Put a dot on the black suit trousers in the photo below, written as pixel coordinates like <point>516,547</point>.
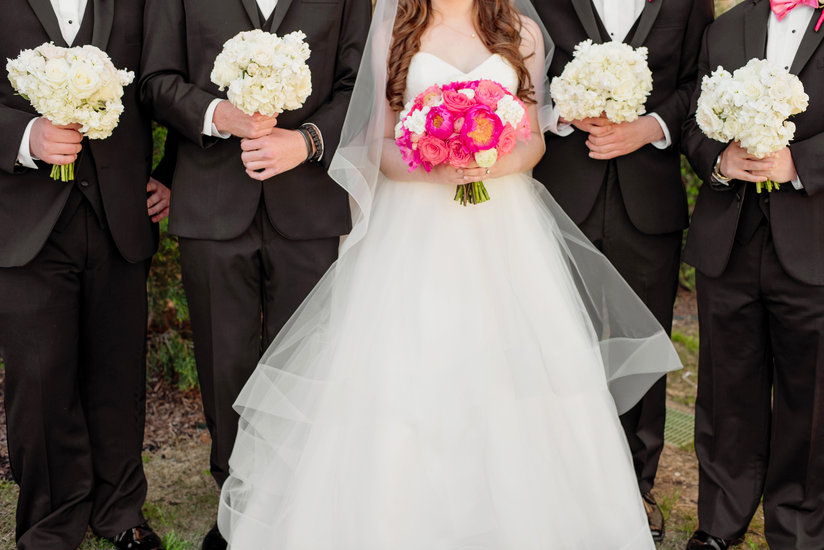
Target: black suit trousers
<point>72,334</point>
<point>649,263</point>
<point>760,410</point>
<point>241,292</point>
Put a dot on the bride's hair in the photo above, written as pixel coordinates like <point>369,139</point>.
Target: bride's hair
<point>499,28</point>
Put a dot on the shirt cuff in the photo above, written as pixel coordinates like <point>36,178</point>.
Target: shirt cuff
<point>797,184</point>
<point>24,156</point>
<point>209,128</point>
<point>561,130</point>
<point>667,141</point>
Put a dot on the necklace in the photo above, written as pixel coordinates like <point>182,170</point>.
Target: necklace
<point>453,29</point>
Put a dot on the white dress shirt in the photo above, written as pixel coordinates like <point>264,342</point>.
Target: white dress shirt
<point>618,16</point>
<point>69,16</point>
<point>209,128</point>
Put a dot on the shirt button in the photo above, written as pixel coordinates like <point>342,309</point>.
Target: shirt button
<point>70,22</point>
<point>793,31</point>
<point>84,183</point>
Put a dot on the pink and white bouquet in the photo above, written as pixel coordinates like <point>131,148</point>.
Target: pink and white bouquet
<point>611,78</point>
<point>77,85</point>
<point>265,73</point>
<point>751,106</point>
<point>461,124</point>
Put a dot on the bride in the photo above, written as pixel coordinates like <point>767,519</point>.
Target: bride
<point>454,381</point>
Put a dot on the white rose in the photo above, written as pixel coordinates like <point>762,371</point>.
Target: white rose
<point>56,72</point>
<point>486,159</point>
<point>83,80</point>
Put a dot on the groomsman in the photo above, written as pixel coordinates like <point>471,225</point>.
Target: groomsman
<point>759,260</point>
<point>258,217</point>
<point>73,263</point>
<point>621,183</point>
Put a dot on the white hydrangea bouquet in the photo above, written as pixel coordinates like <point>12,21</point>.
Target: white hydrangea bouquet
<point>611,78</point>
<point>751,106</point>
<point>264,73</point>
<point>77,85</point>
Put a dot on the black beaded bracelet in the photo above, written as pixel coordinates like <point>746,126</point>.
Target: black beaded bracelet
<point>310,152</point>
<point>312,130</point>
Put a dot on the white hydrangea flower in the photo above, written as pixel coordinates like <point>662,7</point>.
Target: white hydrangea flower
<point>611,78</point>
<point>509,110</point>
<point>264,73</point>
<point>751,106</point>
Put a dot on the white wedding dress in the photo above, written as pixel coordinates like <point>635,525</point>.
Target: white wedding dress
<point>445,392</point>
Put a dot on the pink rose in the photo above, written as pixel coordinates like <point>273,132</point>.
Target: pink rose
<point>507,141</point>
<point>458,124</point>
<point>457,102</point>
<point>429,97</point>
<point>459,156</point>
<point>489,93</point>
<point>433,150</point>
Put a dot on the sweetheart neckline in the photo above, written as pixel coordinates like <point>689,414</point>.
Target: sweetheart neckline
<point>465,73</point>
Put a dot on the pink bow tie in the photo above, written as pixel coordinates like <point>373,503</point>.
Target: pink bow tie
<point>782,8</point>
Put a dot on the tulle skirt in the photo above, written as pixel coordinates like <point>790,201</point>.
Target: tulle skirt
<point>443,388</point>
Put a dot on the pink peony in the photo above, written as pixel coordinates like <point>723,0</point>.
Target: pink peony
<point>432,150</point>
<point>439,122</point>
<point>481,129</point>
<point>429,97</point>
<point>459,156</point>
<point>507,141</point>
<point>489,93</point>
<point>457,102</point>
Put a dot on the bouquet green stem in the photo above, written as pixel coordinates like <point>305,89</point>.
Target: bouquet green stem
<point>471,193</point>
<point>769,185</point>
<point>63,172</point>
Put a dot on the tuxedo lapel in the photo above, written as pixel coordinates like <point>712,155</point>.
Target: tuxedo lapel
<point>646,21</point>
<point>251,8</point>
<point>808,45</point>
<point>756,22</point>
<point>103,21</point>
<point>44,12</point>
<point>587,16</point>
<point>280,12</point>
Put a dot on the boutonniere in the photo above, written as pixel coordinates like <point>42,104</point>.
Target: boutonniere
<point>820,19</point>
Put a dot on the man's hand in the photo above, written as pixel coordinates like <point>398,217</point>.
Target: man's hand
<point>608,141</point>
<point>158,201</point>
<point>783,169</point>
<point>274,154</point>
<point>57,145</point>
<point>738,164</point>
<point>588,124</point>
<point>230,120</point>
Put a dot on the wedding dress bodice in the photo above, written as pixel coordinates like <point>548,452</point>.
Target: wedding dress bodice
<point>426,69</point>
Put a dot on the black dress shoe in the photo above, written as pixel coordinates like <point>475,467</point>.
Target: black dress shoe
<point>704,541</point>
<point>654,517</point>
<point>141,537</point>
<point>213,540</point>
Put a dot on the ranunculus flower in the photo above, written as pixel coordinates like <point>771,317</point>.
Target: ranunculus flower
<point>459,156</point>
<point>432,150</point>
<point>488,93</point>
<point>486,159</point>
<point>507,141</point>
<point>481,129</point>
<point>457,102</point>
<point>439,122</point>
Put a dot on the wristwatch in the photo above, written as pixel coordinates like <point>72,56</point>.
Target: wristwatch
<point>717,175</point>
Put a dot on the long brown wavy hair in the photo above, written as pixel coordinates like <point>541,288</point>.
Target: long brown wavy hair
<point>499,28</point>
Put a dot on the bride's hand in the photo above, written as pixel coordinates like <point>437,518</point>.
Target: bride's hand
<point>446,174</point>
<point>474,172</point>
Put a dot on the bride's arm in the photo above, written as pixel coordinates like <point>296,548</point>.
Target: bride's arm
<point>394,167</point>
<point>526,154</point>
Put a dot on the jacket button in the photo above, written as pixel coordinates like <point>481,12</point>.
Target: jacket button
<point>84,183</point>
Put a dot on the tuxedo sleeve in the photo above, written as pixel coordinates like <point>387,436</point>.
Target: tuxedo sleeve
<point>165,169</point>
<point>701,151</point>
<point>809,163</point>
<point>14,123</point>
<point>674,110</point>
<point>164,85</point>
<point>329,117</point>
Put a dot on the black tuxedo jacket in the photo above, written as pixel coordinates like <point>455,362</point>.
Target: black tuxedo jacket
<point>30,201</point>
<point>212,196</point>
<point>650,178</point>
<point>796,217</point>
